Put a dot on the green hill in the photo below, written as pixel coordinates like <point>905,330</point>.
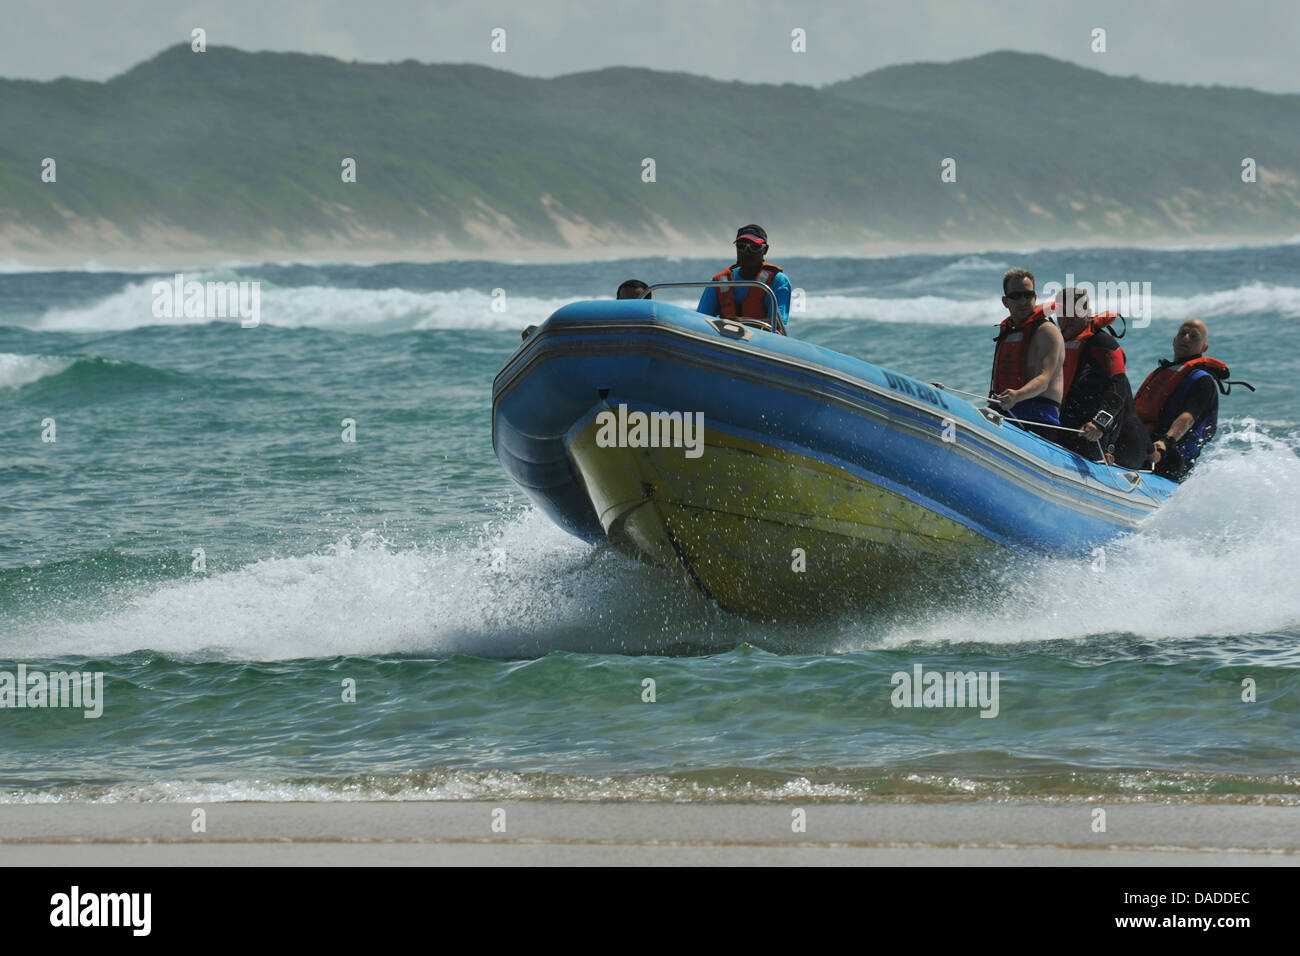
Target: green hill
<point>242,151</point>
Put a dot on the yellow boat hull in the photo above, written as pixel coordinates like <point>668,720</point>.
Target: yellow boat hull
<point>765,532</point>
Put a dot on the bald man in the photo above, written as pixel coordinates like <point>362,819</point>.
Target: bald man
<point>1179,402</point>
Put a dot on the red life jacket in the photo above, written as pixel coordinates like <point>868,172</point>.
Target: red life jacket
<point>1162,383</point>
<point>755,304</point>
<point>1012,350</point>
<point>1075,348</point>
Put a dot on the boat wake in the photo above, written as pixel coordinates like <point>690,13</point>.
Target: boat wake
<point>516,588</point>
<point>1218,560</point>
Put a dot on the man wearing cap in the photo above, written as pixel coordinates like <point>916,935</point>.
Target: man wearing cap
<point>748,302</point>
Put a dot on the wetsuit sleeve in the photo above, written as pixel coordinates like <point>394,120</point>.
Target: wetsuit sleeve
<point>708,302</point>
<point>1106,352</point>
<point>1112,400</point>
<point>781,286</point>
<point>1105,355</point>
<point>1200,397</point>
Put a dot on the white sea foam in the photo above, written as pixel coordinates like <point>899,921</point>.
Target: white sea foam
<point>317,307</point>
<point>1254,298</point>
<point>387,310</point>
<point>913,310</point>
<point>448,784</point>
<point>19,370</point>
<point>957,270</point>
<point>1221,557</point>
<point>521,588</point>
<point>390,310</point>
<point>976,264</point>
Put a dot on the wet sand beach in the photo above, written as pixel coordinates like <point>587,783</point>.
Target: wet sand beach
<point>571,833</point>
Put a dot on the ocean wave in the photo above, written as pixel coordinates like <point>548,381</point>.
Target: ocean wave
<point>447,784</point>
<point>318,307</point>
<point>923,310</point>
<point>396,309</point>
<point>723,785</point>
<point>957,271</point>
<point>82,377</point>
<point>1254,298</point>
<point>19,370</point>
<point>391,310</point>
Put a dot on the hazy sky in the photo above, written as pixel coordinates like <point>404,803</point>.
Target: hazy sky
<point>1235,42</point>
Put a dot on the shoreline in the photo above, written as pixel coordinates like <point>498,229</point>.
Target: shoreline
<point>14,260</point>
<point>563,832</point>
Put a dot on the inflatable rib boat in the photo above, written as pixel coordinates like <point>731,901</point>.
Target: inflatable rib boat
<point>784,480</point>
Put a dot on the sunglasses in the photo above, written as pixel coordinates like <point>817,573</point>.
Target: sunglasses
<point>747,246</point>
<point>1022,294</point>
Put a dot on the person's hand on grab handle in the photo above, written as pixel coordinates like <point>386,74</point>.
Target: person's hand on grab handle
<point>1007,399</point>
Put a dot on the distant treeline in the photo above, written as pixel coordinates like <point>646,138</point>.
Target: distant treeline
<point>247,149</point>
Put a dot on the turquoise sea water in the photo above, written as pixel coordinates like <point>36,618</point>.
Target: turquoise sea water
<point>494,656</point>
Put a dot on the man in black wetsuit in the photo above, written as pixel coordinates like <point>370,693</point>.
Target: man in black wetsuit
<point>1179,401</point>
<point>1098,399</point>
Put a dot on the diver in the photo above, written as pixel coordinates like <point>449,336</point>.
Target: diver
<point>1098,399</point>
<point>746,302</point>
<point>1179,402</point>
<point>1028,358</point>
<point>632,289</point>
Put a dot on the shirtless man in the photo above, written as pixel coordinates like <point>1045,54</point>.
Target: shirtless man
<point>1028,359</point>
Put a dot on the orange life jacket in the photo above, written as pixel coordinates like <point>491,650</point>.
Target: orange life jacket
<point>755,304</point>
<point>1162,383</point>
<point>1012,350</point>
<point>1075,348</point>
